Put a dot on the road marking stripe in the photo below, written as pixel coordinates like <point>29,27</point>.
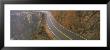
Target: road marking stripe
<point>52,32</point>
<point>63,33</point>
<point>60,31</point>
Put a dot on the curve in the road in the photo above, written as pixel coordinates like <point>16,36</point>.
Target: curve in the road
<point>60,31</point>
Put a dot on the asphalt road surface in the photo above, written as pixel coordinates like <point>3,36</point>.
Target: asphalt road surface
<point>59,31</point>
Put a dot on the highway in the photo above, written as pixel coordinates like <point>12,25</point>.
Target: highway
<point>59,31</point>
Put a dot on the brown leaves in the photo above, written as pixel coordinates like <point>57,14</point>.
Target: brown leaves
<point>86,23</point>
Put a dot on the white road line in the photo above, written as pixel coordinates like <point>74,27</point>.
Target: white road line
<point>60,31</point>
<point>52,32</point>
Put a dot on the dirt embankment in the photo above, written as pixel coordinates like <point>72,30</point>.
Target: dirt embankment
<point>86,23</point>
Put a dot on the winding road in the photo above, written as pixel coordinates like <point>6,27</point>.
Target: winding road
<point>59,31</point>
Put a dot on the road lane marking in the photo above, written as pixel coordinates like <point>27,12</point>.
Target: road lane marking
<point>60,31</point>
<point>52,32</point>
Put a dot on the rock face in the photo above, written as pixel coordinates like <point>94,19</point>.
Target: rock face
<point>86,23</point>
<point>26,25</point>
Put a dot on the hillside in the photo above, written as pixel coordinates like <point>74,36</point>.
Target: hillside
<point>86,23</point>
